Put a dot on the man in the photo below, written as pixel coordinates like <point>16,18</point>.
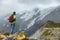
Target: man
<point>12,20</point>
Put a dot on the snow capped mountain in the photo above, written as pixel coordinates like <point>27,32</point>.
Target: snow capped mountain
<point>28,15</point>
<point>54,15</point>
<point>28,21</point>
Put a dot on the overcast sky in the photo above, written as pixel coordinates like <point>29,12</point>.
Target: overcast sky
<point>8,6</point>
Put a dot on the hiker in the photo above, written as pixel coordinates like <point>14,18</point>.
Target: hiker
<point>12,20</point>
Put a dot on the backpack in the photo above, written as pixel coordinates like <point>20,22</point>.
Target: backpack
<point>11,19</point>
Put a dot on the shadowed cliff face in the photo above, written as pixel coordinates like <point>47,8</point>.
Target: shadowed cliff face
<point>30,21</point>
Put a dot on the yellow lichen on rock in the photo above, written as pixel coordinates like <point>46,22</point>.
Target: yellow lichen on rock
<point>20,37</point>
<point>2,36</point>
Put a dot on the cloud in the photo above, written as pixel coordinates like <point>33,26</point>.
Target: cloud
<point>8,6</point>
<point>37,1</point>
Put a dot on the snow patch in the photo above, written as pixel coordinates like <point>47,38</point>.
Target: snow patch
<point>31,24</point>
